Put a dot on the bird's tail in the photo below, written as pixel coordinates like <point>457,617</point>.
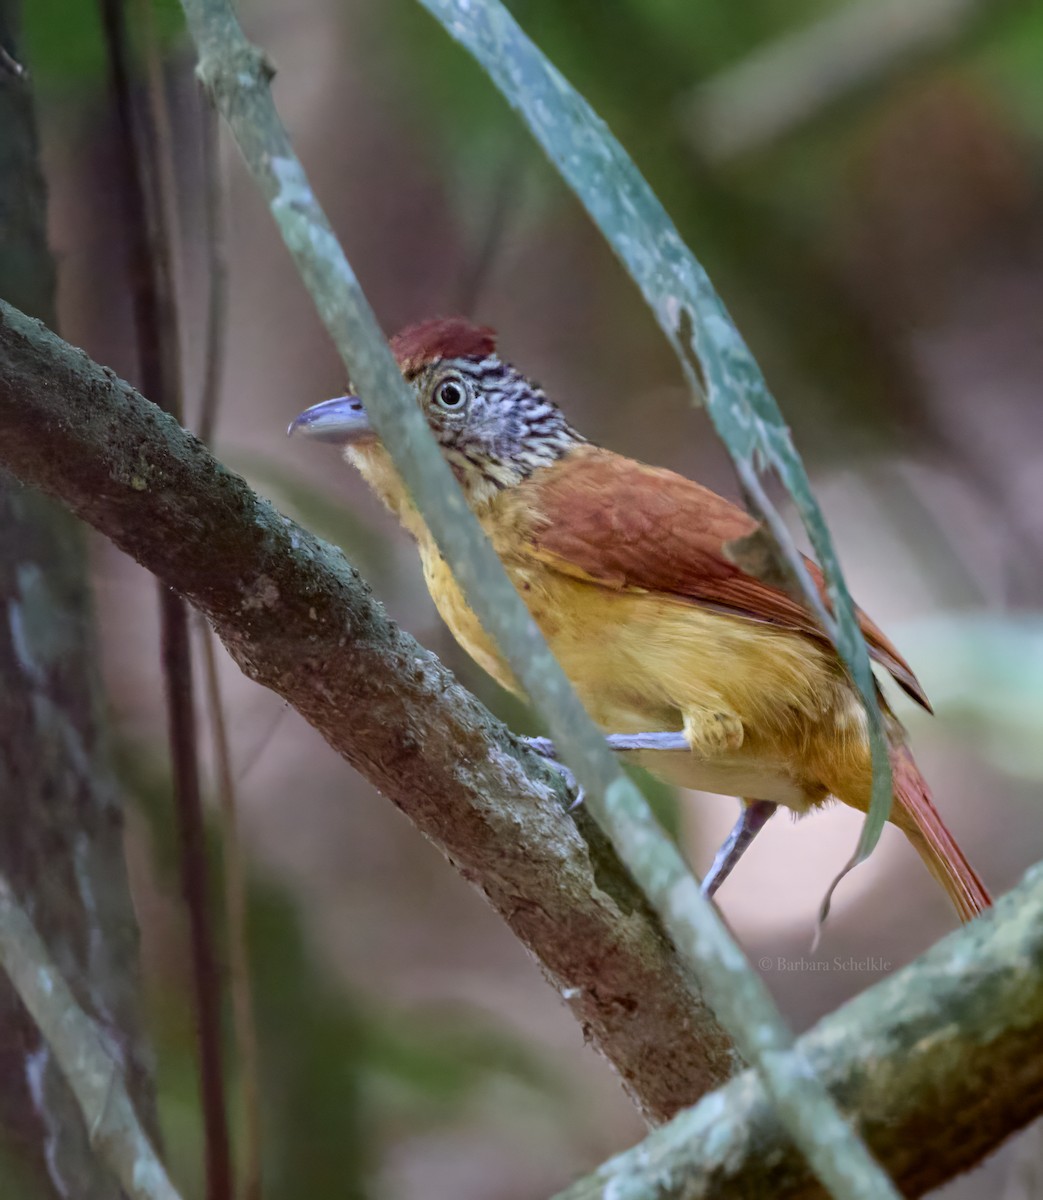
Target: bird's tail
<point>914,813</point>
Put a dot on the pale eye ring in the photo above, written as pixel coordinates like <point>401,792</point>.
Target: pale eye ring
<point>451,395</point>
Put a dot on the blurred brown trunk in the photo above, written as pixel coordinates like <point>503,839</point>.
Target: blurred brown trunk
<point>60,820</point>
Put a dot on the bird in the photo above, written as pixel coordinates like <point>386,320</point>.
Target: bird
<point>704,674</point>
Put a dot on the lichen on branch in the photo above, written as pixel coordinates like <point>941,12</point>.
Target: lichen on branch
<point>936,1065</point>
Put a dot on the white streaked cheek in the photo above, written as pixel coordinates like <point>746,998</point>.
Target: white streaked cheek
<point>504,474</point>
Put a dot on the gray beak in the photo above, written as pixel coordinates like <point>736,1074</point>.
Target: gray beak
<point>342,421</point>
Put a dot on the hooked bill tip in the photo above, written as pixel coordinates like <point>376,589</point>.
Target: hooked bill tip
<point>342,421</point>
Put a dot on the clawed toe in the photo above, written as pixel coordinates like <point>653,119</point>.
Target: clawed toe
<point>546,749</point>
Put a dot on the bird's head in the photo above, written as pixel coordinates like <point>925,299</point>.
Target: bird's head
<point>494,426</point>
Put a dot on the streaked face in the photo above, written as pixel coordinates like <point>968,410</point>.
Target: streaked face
<point>494,426</point>
<point>491,422</point>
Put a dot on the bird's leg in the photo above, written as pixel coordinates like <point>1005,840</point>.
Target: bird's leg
<point>708,730</point>
<point>707,733</point>
<point>752,819</point>
<point>630,743</point>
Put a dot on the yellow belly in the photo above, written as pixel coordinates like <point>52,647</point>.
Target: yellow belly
<point>640,662</point>
<point>741,775</point>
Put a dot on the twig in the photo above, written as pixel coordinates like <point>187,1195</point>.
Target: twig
<point>256,752</point>
<point>915,1060</point>
<point>153,156</point>
<point>177,670</point>
<point>297,618</point>
<point>235,901</point>
<point>238,77</point>
<point>236,915</point>
<point>216,255</point>
<point>154,299</point>
<point>481,259</point>
<point>93,1074</point>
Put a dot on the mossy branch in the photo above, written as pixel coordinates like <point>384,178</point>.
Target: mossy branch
<point>936,1065</point>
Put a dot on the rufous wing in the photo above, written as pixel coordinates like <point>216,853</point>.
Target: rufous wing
<point>619,523</point>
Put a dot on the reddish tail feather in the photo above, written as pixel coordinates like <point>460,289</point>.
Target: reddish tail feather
<point>920,821</point>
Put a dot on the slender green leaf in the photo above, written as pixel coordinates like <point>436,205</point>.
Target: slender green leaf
<point>715,359</point>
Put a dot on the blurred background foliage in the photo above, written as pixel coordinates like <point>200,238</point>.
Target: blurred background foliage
<point>883,256</point>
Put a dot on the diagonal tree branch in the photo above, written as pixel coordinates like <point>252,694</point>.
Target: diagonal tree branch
<point>297,618</point>
<point>938,1064</point>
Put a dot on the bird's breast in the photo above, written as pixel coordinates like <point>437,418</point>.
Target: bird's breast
<point>458,615</point>
<point>640,662</point>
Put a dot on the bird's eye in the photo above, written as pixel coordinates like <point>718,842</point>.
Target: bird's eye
<point>450,394</point>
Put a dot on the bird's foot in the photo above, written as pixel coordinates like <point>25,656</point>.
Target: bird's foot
<point>622,743</point>
<point>754,816</point>
<point>546,749</point>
